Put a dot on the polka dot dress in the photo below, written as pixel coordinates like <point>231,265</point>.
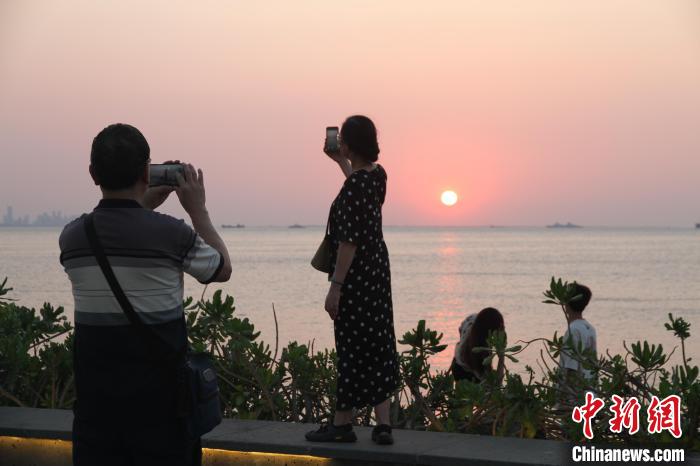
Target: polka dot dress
<point>364,330</point>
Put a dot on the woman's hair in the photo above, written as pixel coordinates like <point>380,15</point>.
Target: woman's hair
<point>488,320</point>
<point>360,135</point>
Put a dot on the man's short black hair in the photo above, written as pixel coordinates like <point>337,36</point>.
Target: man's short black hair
<point>578,305</point>
<point>119,155</point>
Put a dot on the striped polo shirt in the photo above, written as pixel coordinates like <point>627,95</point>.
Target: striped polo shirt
<point>116,370</point>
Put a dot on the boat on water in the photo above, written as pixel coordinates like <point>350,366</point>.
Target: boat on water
<point>697,225</point>
<point>296,225</point>
<point>237,225</point>
<point>564,225</point>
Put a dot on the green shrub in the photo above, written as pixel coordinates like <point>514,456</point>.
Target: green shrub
<point>297,383</point>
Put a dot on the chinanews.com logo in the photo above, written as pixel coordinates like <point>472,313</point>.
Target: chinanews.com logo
<point>662,415</point>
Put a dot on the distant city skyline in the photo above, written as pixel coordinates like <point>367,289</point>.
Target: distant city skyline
<point>531,112</point>
<point>45,219</point>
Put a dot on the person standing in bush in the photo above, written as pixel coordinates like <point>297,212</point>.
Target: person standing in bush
<point>129,401</point>
<point>580,339</point>
<point>468,364</point>
<point>359,299</point>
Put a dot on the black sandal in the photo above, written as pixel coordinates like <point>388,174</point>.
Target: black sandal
<point>332,433</point>
<point>381,435</point>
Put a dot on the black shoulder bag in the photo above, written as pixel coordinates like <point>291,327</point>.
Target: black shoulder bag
<point>196,370</point>
<point>322,259</point>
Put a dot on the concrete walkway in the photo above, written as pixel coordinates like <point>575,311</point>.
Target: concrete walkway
<point>411,447</point>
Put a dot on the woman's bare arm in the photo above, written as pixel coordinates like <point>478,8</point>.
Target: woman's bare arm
<point>345,167</point>
<point>346,254</point>
<point>342,162</point>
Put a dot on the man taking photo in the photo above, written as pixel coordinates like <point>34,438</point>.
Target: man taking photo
<point>129,396</point>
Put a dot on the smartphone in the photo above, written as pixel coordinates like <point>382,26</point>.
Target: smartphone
<point>332,139</point>
<point>165,174</point>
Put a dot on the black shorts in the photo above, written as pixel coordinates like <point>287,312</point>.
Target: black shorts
<point>136,443</point>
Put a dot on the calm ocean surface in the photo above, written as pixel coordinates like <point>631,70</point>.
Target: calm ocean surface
<point>637,276</point>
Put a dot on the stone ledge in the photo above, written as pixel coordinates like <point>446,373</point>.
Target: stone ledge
<point>411,447</point>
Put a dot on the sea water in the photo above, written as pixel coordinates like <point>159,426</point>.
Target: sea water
<point>440,275</point>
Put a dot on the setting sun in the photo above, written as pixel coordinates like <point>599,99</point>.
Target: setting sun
<point>449,198</point>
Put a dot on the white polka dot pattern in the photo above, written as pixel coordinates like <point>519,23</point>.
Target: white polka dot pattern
<point>364,330</point>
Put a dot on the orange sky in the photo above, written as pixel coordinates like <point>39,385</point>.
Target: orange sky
<point>532,111</point>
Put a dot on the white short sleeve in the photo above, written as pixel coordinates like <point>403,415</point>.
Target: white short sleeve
<point>464,329</point>
<point>202,261</point>
<point>582,335</point>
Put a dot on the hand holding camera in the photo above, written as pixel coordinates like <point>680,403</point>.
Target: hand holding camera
<point>161,183</point>
<point>182,178</point>
<point>190,190</point>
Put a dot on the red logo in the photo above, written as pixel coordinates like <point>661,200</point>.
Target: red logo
<point>665,415</point>
<point>587,412</point>
<point>661,415</point>
<point>625,415</point>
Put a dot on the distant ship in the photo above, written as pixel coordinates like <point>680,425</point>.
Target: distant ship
<point>697,225</point>
<point>564,225</point>
<point>237,225</point>
<point>296,225</point>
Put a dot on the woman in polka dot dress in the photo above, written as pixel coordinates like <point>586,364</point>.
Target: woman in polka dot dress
<point>359,298</point>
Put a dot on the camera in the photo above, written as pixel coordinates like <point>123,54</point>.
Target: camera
<point>163,174</point>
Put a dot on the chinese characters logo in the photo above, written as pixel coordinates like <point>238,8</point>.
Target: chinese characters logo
<point>661,415</point>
